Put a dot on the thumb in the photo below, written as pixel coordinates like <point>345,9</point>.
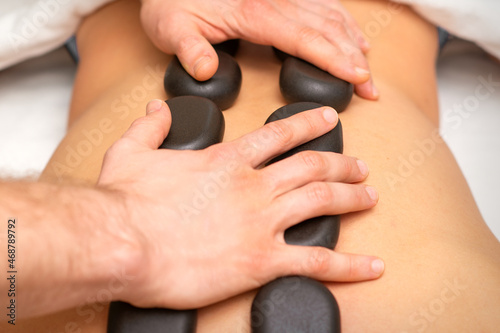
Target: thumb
<point>178,32</point>
<point>150,131</point>
<point>195,53</point>
<point>197,56</point>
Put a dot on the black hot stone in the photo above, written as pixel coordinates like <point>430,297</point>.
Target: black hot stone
<point>223,88</point>
<point>280,54</point>
<point>302,82</point>
<point>196,123</point>
<point>318,231</point>
<point>322,230</point>
<point>230,46</point>
<point>125,318</point>
<point>295,304</point>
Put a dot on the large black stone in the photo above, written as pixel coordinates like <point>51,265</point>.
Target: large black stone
<point>223,88</point>
<point>301,81</point>
<point>125,318</point>
<point>295,305</point>
<point>322,230</point>
<point>196,123</point>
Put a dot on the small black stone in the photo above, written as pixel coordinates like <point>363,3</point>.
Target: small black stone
<point>322,230</point>
<point>301,81</point>
<point>230,46</point>
<point>223,88</point>
<point>196,123</point>
<point>125,318</point>
<point>280,54</point>
<point>318,231</point>
<point>295,305</point>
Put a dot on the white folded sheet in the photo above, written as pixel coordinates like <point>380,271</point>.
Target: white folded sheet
<point>476,21</point>
<point>29,28</point>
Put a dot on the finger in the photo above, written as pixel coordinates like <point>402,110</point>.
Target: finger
<point>181,35</point>
<point>309,166</point>
<point>319,198</point>
<point>280,136</point>
<point>356,30</point>
<point>331,10</point>
<point>328,20</point>
<point>326,265</point>
<point>197,56</point>
<point>303,41</point>
<point>367,90</point>
<point>150,131</point>
<point>312,45</point>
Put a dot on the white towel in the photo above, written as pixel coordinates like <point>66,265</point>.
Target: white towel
<point>474,20</point>
<point>29,28</point>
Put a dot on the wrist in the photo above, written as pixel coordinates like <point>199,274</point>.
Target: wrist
<point>123,250</point>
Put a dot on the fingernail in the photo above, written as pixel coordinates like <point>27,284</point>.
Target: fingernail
<point>363,168</point>
<point>378,266</point>
<point>361,71</point>
<point>154,105</point>
<point>330,115</point>
<point>372,193</point>
<point>200,63</point>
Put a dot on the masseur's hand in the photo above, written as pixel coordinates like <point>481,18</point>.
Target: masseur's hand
<point>211,223</point>
<point>319,31</point>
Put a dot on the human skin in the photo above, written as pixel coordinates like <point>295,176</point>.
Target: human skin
<point>148,198</point>
<point>442,262</point>
<point>143,209</point>
<point>316,31</point>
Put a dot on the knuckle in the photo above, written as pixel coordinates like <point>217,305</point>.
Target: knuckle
<point>116,150</point>
<point>346,165</point>
<point>220,154</point>
<point>308,35</point>
<point>313,161</point>
<point>280,132</point>
<point>318,261</point>
<point>308,123</point>
<point>351,269</point>
<point>335,15</point>
<point>187,43</point>
<point>335,25</point>
<point>258,261</point>
<point>320,194</point>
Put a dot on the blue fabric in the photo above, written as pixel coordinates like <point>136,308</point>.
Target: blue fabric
<point>72,49</point>
<point>443,37</point>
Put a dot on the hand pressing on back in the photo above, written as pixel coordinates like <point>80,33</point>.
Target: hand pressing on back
<point>198,247</point>
<point>319,31</point>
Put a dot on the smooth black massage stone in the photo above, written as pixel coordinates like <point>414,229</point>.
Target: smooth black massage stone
<point>321,230</point>
<point>196,123</point>
<point>295,305</point>
<point>280,54</point>
<point>301,81</point>
<point>223,88</point>
<point>125,318</point>
<point>230,46</point>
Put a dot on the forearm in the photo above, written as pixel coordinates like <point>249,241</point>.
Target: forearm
<point>71,242</point>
